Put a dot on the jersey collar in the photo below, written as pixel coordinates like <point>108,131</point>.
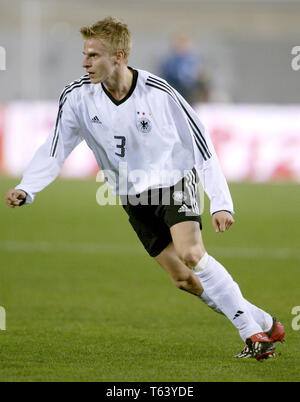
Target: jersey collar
<point>132,88</point>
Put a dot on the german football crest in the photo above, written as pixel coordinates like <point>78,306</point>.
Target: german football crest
<point>143,123</point>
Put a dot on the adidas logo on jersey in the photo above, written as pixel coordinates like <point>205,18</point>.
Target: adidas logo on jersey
<point>184,208</point>
<point>95,119</point>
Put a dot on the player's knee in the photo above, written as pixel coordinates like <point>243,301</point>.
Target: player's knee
<point>191,256</point>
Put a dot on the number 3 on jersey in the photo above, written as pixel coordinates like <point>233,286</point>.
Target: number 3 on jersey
<point>121,145</point>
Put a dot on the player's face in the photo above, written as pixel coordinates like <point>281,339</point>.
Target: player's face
<point>98,62</point>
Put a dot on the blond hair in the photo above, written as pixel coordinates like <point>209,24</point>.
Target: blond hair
<point>113,32</point>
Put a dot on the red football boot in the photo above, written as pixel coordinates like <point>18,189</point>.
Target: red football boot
<point>277,331</point>
<point>260,346</point>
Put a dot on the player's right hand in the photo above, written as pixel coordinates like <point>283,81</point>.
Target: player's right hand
<point>14,198</point>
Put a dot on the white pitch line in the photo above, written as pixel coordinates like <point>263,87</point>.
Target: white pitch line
<point>121,248</point>
<point>68,247</point>
<point>257,253</point>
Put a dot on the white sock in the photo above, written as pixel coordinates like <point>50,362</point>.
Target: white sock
<point>210,303</point>
<point>225,294</point>
<point>263,319</point>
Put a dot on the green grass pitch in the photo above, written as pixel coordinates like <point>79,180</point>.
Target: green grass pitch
<point>84,302</point>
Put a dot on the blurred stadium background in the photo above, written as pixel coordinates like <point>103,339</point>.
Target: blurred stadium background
<point>244,48</point>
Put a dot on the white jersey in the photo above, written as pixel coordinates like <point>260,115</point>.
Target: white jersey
<point>152,130</point>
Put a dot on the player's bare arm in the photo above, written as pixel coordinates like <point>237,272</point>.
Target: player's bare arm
<point>221,221</point>
<point>14,198</point>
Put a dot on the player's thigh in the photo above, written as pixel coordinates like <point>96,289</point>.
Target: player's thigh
<point>188,241</point>
<point>180,274</point>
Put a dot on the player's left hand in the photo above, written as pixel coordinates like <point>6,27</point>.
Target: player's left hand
<point>15,198</point>
<point>222,221</point>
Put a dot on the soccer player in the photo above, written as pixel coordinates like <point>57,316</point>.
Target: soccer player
<point>132,118</point>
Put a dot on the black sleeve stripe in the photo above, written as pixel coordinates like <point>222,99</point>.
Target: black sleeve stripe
<point>70,87</point>
<point>200,145</point>
<point>62,100</point>
<point>200,141</point>
<point>163,89</point>
<point>55,137</point>
<point>196,138</point>
<point>83,78</point>
<point>198,134</point>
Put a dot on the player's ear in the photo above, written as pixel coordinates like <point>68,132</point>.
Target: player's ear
<point>120,55</point>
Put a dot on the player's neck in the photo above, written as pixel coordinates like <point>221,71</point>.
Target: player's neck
<point>119,83</point>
